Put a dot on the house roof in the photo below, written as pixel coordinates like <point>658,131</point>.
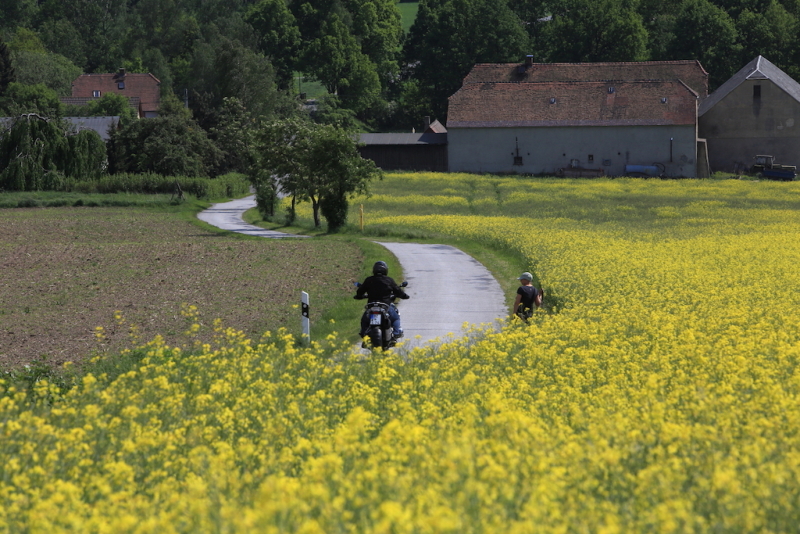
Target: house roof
<point>426,138</point>
<point>691,72</point>
<point>144,86</point>
<point>628,103</point>
<point>101,125</point>
<point>758,69</point>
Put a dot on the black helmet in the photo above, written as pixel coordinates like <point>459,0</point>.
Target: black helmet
<point>380,267</point>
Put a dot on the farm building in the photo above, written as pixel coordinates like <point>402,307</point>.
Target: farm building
<point>425,151</point>
<point>689,72</point>
<point>142,90</point>
<point>582,119</point>
<point>757,111</point>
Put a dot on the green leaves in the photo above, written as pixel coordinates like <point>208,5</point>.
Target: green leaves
<point>705,32</point>
<point>315,162</point>
<point>40,154</point>
<point>171,145</point>
<point>20,99</point>
<point>450,36</point>
<point>595,30</point>
<point>280,36</point>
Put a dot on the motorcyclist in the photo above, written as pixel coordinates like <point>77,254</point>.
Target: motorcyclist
<point>380,288</point>
<point>528,297</point>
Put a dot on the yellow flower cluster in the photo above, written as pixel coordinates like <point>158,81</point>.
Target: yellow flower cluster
<point>660,396</point>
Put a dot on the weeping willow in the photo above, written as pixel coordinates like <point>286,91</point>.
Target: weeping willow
<point>38,154</point>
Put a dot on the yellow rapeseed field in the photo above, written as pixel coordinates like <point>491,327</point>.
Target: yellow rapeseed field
<point>658,393</point>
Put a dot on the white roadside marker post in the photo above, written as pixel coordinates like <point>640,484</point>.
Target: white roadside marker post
<point>306,322</point>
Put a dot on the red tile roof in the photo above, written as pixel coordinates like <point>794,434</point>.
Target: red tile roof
<point>143,86</point>
<point>691,72</point>
<point>627,103</point>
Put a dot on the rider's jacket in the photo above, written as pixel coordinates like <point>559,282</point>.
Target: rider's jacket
<point>380,288</point>
<point>529,294</point>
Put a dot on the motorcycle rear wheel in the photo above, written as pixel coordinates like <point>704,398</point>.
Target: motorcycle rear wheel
<point>376,337</point>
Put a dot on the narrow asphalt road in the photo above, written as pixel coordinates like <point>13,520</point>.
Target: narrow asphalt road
<point>447,287</point>
<point>228,216</point>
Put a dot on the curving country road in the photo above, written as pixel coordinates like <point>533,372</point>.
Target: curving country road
<point>447,287</point>
<point>228,216</point>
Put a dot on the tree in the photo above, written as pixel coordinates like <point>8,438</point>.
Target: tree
<point>108,105</point>
<point>595,30</point>
<point>52,70</point>
<point>534,16</point>
<point>27,40</point>
<point>706,33</point>
<point>450,36</point>
<point>16,13</point>
<point>772,34</point>
<point>7,72</point>
<point>31,154</point>
<point>351,46</point>
<point>279,37</point>
<point>60,36</point>
<point>156,64</point>
<point>314,162</point>
<point>223,68</point>
<point>330,111</point>
<point>20,99</point>
<point>163,25</point>
<point>234,135</point>
<point>658,17</point>
<point>170,145</point>
<point>35,65</point>
<point>100,23</point>
<point>336,60</point>
<point>39,153</point>
<point>377,26</point>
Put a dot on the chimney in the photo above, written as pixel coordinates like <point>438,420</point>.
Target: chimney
<point>121,72</point>
<point>427,123</point>
<point>529,60</point>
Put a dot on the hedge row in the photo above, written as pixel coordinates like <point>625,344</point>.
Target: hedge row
<point>225,186</point>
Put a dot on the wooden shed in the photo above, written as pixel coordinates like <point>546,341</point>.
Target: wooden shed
<point>425,151</point>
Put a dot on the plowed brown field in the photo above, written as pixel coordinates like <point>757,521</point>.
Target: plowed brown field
<point>65,271</point>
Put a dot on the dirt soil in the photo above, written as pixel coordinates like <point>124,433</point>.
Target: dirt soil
<point>67,271</point>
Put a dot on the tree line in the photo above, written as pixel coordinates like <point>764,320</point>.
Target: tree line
<point>237,63</point>
<point>376,76</point>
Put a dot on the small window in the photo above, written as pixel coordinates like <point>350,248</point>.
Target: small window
<point>756,92</point>
<point>121,85</point>
<point>591,158</point>
<point>664,100</point>
<point>96,94</point>
<point>610,90</point>
<point>517,160</point>
<point>552,100</point>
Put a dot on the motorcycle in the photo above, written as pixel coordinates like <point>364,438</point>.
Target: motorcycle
<point>381,331</point>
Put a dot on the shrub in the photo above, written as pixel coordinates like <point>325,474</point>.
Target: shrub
<point>226,186</point>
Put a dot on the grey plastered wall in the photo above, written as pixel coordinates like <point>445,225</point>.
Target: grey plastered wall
<point>546,149</point>
<point>742,125</point>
